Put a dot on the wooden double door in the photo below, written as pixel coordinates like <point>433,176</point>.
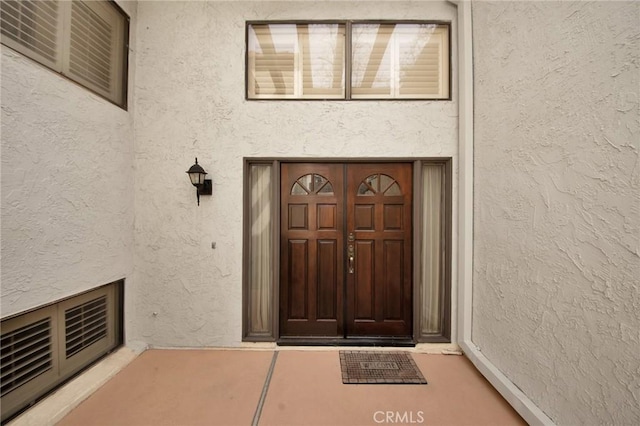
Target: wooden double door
<point>346,250</point>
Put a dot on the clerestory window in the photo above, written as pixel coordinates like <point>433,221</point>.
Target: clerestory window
<point>348,60</point>
<point>86,41</point>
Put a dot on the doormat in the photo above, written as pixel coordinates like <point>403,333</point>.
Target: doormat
<point>359,367</point>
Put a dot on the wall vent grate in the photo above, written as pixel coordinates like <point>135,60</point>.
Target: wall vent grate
<point>85,324</point>
<point>26,354</point>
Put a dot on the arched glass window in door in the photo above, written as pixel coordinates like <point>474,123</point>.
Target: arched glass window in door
<point>312,184</point>
<point>379,184</point>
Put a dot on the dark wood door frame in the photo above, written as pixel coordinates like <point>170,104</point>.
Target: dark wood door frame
<point>376,302</point>
<point>273,332</point>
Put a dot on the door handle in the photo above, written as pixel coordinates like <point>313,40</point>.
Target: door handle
<point>351,253</point>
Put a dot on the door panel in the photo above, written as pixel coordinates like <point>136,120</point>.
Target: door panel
<point>364,284</point>
<point>327,284</point>
<point>311,250</point>
<point>345,260</point>
<point>298,273</point>
<point>379,217</point>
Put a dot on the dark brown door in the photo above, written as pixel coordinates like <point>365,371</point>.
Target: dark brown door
<point>311,250</point>
<point>345,250</point>
<point>379,226</point>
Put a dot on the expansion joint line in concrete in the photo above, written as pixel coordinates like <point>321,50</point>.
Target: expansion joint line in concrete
<point>265,389</point>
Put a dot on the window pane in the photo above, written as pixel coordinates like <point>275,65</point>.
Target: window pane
<point>260,315</point>
<point>83,40</point>
<point>431,294</point>
<point>393,190</point>
<point>31,28</point>
<point>400,61</point>
<point>298,190</point>
<point>306,182</point>
<point>327,189</point>
<point>96,46</point>
<point>296,61</point>
<point>371,60</point>
<point>91,46</point>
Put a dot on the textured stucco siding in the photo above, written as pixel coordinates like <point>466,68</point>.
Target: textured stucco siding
<point>556,257</point>
<point>67,186</point>
<point>190,102</point>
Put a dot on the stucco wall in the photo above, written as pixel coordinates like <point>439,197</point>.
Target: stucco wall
<point>67,186</point>
<point>190,102</point>
<point>557,209</point>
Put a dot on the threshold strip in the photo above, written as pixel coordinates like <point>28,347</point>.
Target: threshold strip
<point>265,389</point>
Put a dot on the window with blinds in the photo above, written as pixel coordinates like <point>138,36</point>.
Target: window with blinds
<point>400,61</point>
<point>83,40</point>
<point>404,60</point>
<point>44,347</point>
<point>296,61</point>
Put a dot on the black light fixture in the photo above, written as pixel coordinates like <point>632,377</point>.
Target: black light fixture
<point>203,186</point>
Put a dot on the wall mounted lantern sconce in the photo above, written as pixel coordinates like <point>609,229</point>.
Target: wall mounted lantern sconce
<point>203,186</point>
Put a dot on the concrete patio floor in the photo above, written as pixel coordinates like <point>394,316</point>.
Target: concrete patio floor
<point>235,387</point>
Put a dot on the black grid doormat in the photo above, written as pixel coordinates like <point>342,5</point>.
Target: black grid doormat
<point>359,367</point>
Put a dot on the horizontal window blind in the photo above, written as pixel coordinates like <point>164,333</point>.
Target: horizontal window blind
<point>274,73</point>
<point>424,66</point>
<point>44,347</point>
<point>85,324</point>
<point>91,39</point>
<point>33,26</point>
<point>83,40</point>
<point>400,61</point>
<point>273,62</point>
<point>26,353</point>
<point>420,74</point>
<point>404,60</point>
<point>96,48</point>
<point>296,61</point>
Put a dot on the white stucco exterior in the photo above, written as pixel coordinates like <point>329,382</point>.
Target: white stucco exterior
<point>67,177</point>
<point>191,295</point>
<point>92,193</point>
<point>557,206</point>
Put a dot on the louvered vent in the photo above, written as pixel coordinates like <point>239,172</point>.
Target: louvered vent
<point>32,24</point>
<point>85,324</point>
<point>91,40</point>
<point>26,353</point>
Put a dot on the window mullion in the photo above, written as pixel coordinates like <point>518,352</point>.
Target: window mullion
<point>347,60</point>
